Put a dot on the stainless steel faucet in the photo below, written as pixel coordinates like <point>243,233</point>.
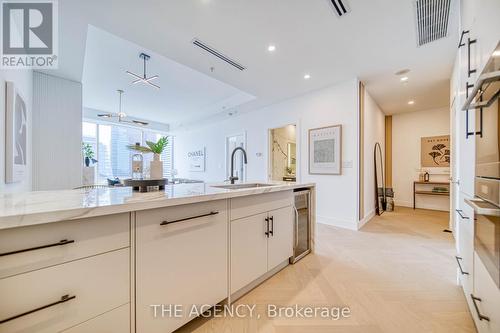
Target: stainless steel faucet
<point>232,178</point>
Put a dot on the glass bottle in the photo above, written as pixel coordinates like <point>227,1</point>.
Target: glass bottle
<point>137,164</point>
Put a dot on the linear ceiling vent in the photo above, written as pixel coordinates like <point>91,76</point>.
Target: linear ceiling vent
<point>432,18</point>
<point>340,7</point>
<point>218,54</point>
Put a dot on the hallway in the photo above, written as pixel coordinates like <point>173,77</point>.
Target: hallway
<point>397,274</point>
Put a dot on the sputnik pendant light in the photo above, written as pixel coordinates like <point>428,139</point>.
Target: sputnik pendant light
<point>144,78</point>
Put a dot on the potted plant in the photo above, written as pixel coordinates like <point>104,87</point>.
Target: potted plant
<point>88,169</point>
<point>156,165</point>
<point>88,154</point>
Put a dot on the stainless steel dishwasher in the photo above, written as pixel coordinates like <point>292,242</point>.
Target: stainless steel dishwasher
<point>302,234</point>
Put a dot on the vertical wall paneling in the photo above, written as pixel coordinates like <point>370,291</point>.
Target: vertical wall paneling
<point>57,133</point>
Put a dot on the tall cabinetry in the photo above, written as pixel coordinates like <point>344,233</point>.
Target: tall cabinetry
<point>479,34</point>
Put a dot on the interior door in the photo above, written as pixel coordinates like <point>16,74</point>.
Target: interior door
<point>280,243</point>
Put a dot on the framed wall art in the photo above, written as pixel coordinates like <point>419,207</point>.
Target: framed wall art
<point>325,150</point>
<point>16,141</point>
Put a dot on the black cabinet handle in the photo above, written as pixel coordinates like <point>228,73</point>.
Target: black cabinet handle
<point>479,315</point>
<point>461,43</point>
<point>460,266</point>
<point>467,132</point>
<point>61,242</point>
<point>272,226</point>
<point>469,43</point>
<point>267,227</point>
<point>63,299</point>
<point>189,218</point>
<point>459,211</point>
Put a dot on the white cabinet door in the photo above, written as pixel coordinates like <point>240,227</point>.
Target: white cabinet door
<point>280,242</point>
<point>114,321</point>
<point>488,299</point>
<point>248,250</point>
<point>181,263</point>
<point>465,244</point>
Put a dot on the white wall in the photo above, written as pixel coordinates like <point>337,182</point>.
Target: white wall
<point>407,129</point>
<point>57,133</point>
<point>374,131</point>
<point>337,196</point>
<point>23,81</point>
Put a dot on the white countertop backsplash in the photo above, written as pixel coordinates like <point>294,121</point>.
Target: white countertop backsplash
<point>30,208</point>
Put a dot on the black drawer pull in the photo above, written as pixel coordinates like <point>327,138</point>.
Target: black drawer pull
<point>461,43</point>
<point>271,232</point>
<point>189,218</point>
<point>61,242</point>
<point>459,211</point>
<point>267,227</point>
<point>479,315</point>
<point>460,266</point>
<point>469,43</point>
<point>63,299</point>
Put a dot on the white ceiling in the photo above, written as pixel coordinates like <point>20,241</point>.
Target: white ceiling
<point>185,94</point>
<point>374,41</point>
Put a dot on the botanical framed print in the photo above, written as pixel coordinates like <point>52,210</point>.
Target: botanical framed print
<point>325,150</point>
<point>16,127</point>
<point>435,151</point>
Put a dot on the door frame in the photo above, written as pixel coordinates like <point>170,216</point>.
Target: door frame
<point>298,149</point>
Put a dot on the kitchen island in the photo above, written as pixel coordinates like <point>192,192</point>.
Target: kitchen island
<point>114,260</point>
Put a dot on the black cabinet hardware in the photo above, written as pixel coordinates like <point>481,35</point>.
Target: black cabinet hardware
<point>461,43</point>
<point>459,211</point>
<point>189,218</point>
<point>467,132</point>
<point>63,299</point>
<point>61,242</point>
<point>460,266</point>
<point>271,232</point>
<point>469,43</point>
<point>267,227</point>
<point>479,315</point>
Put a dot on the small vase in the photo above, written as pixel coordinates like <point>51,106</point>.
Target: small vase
<point>156,167</point>
<point>87,162</point>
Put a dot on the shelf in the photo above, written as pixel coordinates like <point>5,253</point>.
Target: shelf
<point>431,183</point>
<point>446,194</point>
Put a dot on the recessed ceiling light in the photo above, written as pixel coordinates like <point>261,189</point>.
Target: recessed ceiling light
<point>411,102</point>
<point>271,48</point>
<point>404,79</point>
<point>307,76</point>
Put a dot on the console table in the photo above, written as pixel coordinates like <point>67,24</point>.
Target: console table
<point>427,192</point>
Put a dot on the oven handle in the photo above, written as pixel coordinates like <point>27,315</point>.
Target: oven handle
<point>493,211</point>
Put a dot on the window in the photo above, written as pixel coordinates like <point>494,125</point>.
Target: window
<point>110,141</point>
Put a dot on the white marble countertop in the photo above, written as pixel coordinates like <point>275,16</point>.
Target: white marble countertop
<point>30,208</point>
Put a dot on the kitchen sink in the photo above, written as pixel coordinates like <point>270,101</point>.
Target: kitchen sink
<point>242,186</point>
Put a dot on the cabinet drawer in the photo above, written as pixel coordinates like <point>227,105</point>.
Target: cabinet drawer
<point>99,284</point>
<point>114,321</point>
<point>84,238</point>
<point>489,294</point>
<point>261,203</point>
<point>182,263</point>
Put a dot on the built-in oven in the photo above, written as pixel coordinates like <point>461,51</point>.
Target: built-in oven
<point>484,100</point>
<point>487,236</point>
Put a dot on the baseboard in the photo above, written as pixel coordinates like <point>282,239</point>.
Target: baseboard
<point>366,219</point>
<point>347,224</point>
<point>421,206</point>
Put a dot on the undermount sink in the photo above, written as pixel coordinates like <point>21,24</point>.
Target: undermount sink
<point>242,186</point>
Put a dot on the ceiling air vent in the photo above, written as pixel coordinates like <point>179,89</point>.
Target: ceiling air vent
<point>218,54</point>
<point>340,7</point>
<point>432,20</point>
